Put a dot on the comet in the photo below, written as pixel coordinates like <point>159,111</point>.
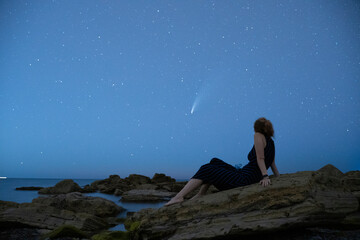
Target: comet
<point>203,94</point>
<point>195,104</point>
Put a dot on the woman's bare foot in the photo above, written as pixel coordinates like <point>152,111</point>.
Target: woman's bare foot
<point>174,200</point>
<point>189,187</point>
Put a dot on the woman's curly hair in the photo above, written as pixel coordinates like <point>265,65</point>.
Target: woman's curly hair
<point>264,126</point>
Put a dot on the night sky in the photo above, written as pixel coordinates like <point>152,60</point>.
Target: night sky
<point>93,88</point>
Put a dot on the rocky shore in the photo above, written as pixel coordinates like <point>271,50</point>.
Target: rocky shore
<point>88,214</point>
<point>66,210</point>
<point>321,204</point>
<point>297,202</point>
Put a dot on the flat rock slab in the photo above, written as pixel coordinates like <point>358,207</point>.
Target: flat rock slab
<point>143,195</point>
<point>47,217</point>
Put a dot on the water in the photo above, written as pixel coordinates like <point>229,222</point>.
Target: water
<point>8,193</point>
<point>130,207</point>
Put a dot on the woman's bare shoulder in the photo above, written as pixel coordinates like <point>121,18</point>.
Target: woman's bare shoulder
<point>259,138</point>
<point>259,135</point>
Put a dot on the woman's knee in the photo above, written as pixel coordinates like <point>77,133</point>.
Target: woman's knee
<point>215,160</point>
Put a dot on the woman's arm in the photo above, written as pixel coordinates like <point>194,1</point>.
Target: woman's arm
<point>274,169</point>
<point>260,157</point>
<point>259,149</point>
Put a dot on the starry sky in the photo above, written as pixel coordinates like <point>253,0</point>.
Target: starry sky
<point>93,88</point>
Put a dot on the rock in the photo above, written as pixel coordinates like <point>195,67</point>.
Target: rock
<point>293,201</point>
<point>330,171</point>
<point>138,195</point>
<point>160,178</point>
<point>66,231</point>
<point>352,219</point>
<point>64,186</point>
<point>129,214</point>
<point>352,180</point>
<point>111,235</point>
<point>136,179</point>
<point>78,202</point>
<point>83,212</point>
<point>88,189</point>
<point>308,234</point>
<point>147,187</point>
<point>110,184</point>
<point>118,192</point>
<point>172,187</point>
<point>19,233</point>
<point>47,217</point>
<point>115,185</point>
<point>29,188</point>
<point>7,204</point>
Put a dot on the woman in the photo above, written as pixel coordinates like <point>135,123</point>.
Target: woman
<point>224,176</point>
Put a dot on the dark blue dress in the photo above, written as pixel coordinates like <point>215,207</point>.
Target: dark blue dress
<point>225,176</point>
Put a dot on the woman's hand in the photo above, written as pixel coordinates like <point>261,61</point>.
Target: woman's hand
<point>265,182</point>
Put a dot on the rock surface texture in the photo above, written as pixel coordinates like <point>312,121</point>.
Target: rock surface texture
<point>85,213</point>
<point>143,195</point>
<point>161,178</point>
<point>78,202</point>
<point>302,200</point>
<point>117,186</point>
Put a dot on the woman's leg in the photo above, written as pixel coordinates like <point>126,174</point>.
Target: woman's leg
<point>202,191</point>
<point>204,188</point>
<point>214,172</point>
<point>220,174</point>
<point>189,187</point>
<point>221,163</point>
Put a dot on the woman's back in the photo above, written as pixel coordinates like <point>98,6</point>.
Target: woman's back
<point>251,171</point>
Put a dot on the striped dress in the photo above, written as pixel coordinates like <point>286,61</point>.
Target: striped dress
<point>225,176</point>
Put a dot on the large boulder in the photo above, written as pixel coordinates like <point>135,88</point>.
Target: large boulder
<point>78,202</point>
<point>117,186</point>
<point>293,201</point>
<point>136,179</point>
<point>109,185</point>
<point>47,217</point>
<point>160,178</point>
<point>88,214</point>
<point>64,186</point>
<point>143,195</point>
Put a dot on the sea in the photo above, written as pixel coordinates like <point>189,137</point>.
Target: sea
<point>8,193</point>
